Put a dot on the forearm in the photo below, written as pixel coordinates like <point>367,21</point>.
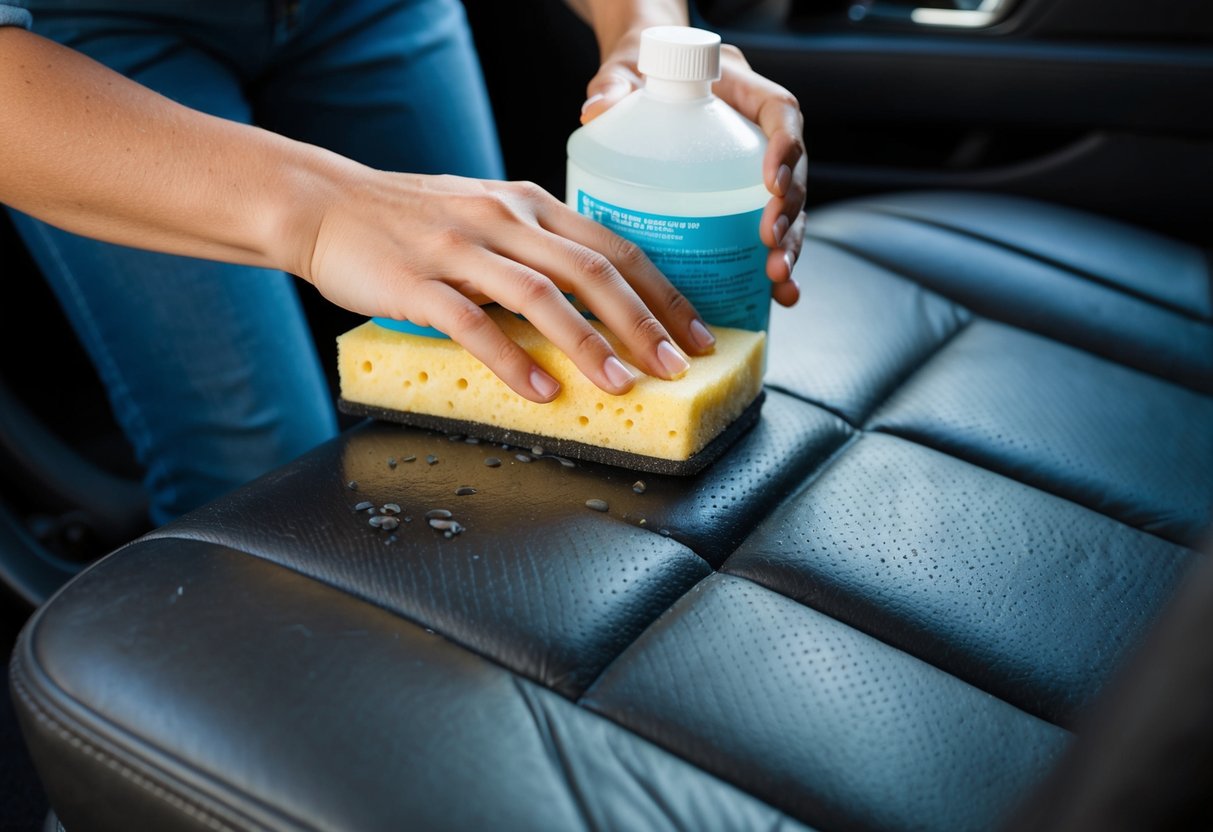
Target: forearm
<point>97,154</point>
<point>614,19</point>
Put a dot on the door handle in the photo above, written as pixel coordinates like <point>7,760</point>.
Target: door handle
<point>987,13</point>
<point>969,14</point>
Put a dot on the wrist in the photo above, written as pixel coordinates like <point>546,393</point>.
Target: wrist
<point>308,182</point>
<point>623,48</point>
<point>617,25</point>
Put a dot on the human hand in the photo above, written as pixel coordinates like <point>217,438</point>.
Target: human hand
<point>431,249</point>
<point>762,101</point>
<point>427,249</point>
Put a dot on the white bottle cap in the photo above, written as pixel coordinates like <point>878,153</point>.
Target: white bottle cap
<point>679,53</point>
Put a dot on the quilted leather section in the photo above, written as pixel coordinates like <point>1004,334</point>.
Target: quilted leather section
<point>1022,594</point>
<point>1134,260</point>
<point>713,512</point>
<point>820,720</point>
<point>537,582</point>
<point>1009,285</point>
<point>858,334</point>
<point>1116,440</point>
<point>324,712</point>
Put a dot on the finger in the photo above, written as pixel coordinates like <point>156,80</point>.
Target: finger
<point>780,265</point>
<point>776,111</point>
<point>598,284</point>
<point>794,239</point>
<point>780,215</point>
<point>521,289</point>
<point>606,89</point>
<point>670,307</point>
<point>781,261</point>
<point>469,325</point>
<point>593,278</point>
<point>786,294</point>
<point>781,121</point>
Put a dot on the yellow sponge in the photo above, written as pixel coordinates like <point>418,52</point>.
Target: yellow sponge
<point>407,377</point>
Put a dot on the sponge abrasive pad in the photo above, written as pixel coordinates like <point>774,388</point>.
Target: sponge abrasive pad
<point>673,427</point>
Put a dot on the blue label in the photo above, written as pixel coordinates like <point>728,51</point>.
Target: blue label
<point>719,263</point>
<point>410,327</point>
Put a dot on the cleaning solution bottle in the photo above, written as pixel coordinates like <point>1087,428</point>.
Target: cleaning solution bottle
<point>679,172</point>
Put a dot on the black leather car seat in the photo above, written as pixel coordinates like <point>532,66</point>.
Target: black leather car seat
<point>982,469</point>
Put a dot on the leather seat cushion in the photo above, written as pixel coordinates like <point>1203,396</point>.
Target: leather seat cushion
<point>982,464</point>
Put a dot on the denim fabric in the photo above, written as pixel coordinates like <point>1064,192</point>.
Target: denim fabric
<point>210,367</point>
<point>10,15</point>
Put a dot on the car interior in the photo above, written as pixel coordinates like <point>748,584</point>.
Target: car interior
<point>957,576</point>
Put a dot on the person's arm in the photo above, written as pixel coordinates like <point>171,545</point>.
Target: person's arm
<point>617,25</point>
<point>97,154</point>
<point>94,153</point>
<point>615,20</point>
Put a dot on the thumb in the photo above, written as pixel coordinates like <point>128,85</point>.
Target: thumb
<point>606,89</point>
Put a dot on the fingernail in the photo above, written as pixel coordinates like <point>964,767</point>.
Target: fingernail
<point>783,178</point>
<point>790,259</point>
<point>543,384</point>
<point>616,373</point>
<point>591,101</point>
<point>671,359</point>
<point>701,335</point>
<point>780,228</point>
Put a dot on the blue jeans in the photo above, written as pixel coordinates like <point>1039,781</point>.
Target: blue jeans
<point>210,367</point>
